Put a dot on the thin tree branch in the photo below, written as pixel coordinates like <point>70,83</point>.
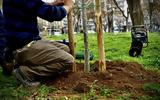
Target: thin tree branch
<point>115,2</point>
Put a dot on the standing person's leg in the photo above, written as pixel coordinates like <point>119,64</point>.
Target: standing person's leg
<point>42,58</point>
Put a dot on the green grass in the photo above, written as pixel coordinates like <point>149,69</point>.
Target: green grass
<point>9,90</point>
<point>152,87</point>
<point>117,48</point>
<point>7,86</point>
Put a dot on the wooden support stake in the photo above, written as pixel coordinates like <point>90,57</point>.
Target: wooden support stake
<point>71,37</point>
<point>101,52</point>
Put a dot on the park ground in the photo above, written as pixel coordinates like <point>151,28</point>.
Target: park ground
<point>126,78</point>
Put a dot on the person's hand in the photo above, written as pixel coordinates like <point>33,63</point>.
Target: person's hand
<point>57,3</point>
<point>68,4</point>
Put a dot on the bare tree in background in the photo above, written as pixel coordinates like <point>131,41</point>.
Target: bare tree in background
<point>125,16</point>
<point>155,15</point>
<point>77,15</point>
<point>110,16</point>
<point>89,4</point>
<point>136,12</point>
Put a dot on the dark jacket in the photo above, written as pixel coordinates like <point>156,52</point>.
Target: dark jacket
<point>2,37</point>
<point>21,19</point>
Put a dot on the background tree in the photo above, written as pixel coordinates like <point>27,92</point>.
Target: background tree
<point>122,12</point>
<point>155,15</point>
<point>77,15</point>
<point>135,11</point>
<point>110,16</point>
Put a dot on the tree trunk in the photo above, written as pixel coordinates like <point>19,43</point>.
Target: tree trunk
<point>110,17</point>
<point>127,24</point>
<point>71,37</point>
<point>135,11</point>
<point>101,53</point>
<point>110,22</point>
<point>86,54</point>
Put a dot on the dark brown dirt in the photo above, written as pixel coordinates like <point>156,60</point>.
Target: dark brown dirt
<point>127,76</point>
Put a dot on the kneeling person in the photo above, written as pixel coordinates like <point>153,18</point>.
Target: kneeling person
<point>36,58</point>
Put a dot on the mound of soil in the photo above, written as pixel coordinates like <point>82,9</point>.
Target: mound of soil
<point>128,76</point>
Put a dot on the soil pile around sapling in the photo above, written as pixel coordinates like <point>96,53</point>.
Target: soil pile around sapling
<point>127,76</point>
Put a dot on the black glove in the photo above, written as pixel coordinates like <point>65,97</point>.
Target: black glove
<point>64,42</point>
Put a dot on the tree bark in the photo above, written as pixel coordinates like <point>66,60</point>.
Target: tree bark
<point>86,54</point>
<point>101,53</point>
<point>110,22</point>
<point>110,17</point>
<point>71,38</point>
<point>136,12</point>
